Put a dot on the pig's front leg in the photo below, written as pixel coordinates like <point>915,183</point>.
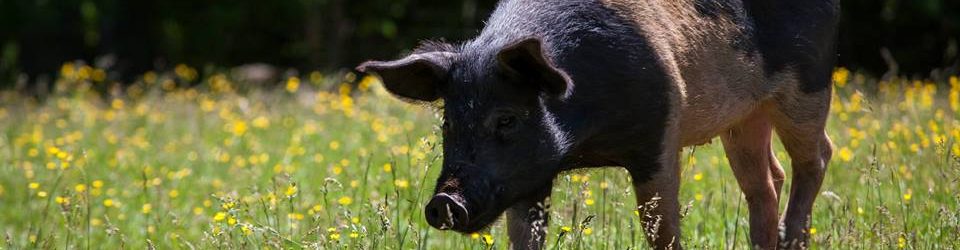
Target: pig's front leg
<point>528,222</point>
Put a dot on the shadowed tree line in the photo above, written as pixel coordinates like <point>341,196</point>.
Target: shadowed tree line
<point>131,37</point>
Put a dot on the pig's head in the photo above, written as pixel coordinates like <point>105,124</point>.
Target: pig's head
<point>500,143</point>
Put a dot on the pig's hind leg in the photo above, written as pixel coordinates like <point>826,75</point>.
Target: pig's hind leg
<point>747,146</point>
<point>800,119</point>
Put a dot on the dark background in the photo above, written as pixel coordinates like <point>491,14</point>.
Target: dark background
<point>129,37</point>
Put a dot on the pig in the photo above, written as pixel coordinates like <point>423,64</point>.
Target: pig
<point>549,86</point>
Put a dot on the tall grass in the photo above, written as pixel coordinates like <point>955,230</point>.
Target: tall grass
<point>179,162</point>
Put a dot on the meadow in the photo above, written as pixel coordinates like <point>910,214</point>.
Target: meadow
<point>176,161</point>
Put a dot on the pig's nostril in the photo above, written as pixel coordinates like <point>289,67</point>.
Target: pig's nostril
<point>445,211</point>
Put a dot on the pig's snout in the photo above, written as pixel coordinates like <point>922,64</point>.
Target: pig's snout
<point>446,211</point>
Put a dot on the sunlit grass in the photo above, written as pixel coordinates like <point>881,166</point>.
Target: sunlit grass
<point>175,161</point>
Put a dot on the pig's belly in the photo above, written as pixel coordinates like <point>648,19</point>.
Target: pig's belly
<point>712,105</point>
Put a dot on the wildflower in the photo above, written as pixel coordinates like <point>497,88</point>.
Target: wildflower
<point>42,194</point>
<point>345,200</point>
<point>62,200</point>
<point>488,239</point>
<point>565,229</point>
<point>901,242</point>
<point>845,154</point>
<point>146,208</point>
<point>231,221</point>
<point>291,190</point>
<point>589,202</point>
<point>575,178</point>
<point>354,235</point>
<point>907,197</point>
<point>840,76</point>
<point>295,216</point>
<point>246,229</point>
<point>220,216</point>
<point>387,167</point>
<point>34,185</point>
<point>813,231</point>
<point>588,231</point>
<point>334,145</point>
<point>698,176</point>
<point>80,188</point>
<point>108,203</point>
<point>239,128</point>
<point>293,84</point>
<point>698,197</point>
<point>401,183</point>
<point>335,236</point>
<point>117,104</point>
<point>261,122</point>
<point>475,236</point>
<point>97,184</point>
<point>173,193</point>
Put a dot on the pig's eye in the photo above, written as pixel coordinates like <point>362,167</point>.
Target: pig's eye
<point>506,123</point>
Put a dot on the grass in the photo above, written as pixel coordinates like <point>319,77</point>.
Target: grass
<point>179,162</point>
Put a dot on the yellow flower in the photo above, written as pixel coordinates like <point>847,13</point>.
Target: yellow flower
<point>219,216</point>
<point>698,197</point>
<point>907,197</point>
<point>901,242</point>
<point>34,185</point>
<point>840,76</point>
<point>80,188</point>
<point>488,239</point>
<point>62,200</point>
<point>354,235</point>
<point>291,190</point>
<point>117,104</point>
<point>401,183</point>
<point>345,200</point>
<point>566,229</point>
<point>293,84</point>
<point>42,194</point>
<point>239,128</point>
<point>698,176</point>
<point>475,236</point>
<point>334,145</point>
<point>589,202</point>
<point>261,122</point>
<point>295,216</point>
<point>845,154</point>
<point>108,203</point>
<point>813,230</point>
<point>335,236</point>
<point>246,229</point>
<point>173,193</point>
<point>97,184</point>
<point>146,208</point>
<point>588,231</point>
<point>387,167</point>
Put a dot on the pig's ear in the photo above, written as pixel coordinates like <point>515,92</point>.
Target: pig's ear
<point>526,59</point>
<point>415,77</point>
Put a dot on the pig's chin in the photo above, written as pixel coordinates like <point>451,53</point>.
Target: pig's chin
<point>482,221</point>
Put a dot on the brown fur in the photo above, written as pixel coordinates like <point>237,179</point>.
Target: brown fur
<point>719,90</point>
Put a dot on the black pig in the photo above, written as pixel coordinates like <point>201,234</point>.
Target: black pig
<point>550,86</point>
